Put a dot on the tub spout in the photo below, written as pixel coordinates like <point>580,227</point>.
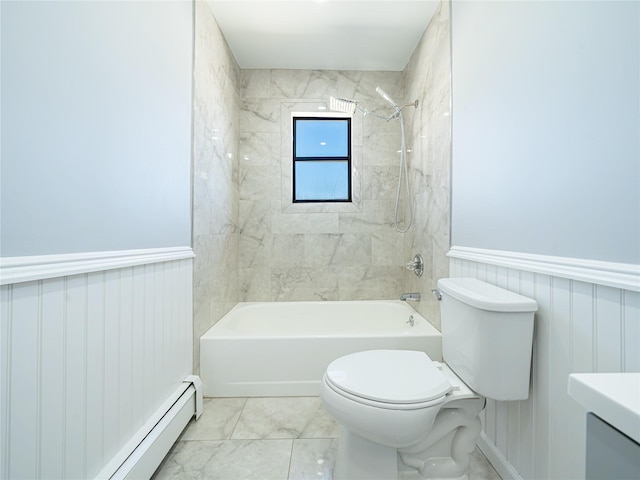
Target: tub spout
<point>410,296</point>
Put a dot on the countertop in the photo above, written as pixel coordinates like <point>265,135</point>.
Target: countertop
<point>614,397</point>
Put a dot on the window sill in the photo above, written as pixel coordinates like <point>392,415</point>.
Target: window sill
<point>321,207</point>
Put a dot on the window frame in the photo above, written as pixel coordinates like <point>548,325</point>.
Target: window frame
<point>347,158</point>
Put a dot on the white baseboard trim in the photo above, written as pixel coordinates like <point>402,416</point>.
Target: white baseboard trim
<point>497,459</point>
<point>618,275</point>
<point>40,267</point>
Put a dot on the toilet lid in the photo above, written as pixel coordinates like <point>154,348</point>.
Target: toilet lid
<point>392,376</point>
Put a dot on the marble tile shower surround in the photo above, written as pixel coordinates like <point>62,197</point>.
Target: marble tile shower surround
<point>267,438</point>
<point>316,252</point>
<point>428,78</point>
<point>215,176</point>
<point>251,244</point>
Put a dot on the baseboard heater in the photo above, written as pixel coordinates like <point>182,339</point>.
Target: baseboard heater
<point>142,455</point>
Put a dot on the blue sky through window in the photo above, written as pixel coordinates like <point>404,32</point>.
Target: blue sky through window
<point>322,138</point>
<point>322,159</point>
<point>322,180</point>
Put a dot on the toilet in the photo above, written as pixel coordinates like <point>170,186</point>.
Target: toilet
<point>403,412</point>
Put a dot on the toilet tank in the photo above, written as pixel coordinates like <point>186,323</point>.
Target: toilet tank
<point>487,336</point>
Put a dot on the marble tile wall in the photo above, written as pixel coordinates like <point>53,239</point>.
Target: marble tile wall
<point>215,176</point>
<point>316,252</point>
<point>252,243</point>
<point>428,79</point>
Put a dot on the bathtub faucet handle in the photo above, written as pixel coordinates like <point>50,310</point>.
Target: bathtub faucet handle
<point>410,296</point>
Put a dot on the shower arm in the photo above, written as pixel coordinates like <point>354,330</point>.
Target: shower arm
<point>387,118</point>
<point>367,113</point>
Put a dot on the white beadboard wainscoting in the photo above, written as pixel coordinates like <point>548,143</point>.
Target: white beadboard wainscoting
<point>94,350</point>
<point>588,321</point>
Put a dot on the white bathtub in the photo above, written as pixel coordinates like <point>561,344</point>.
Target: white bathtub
<point>283,348</point>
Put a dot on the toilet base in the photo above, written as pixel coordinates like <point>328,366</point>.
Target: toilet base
<point>444,453</point>
<point>416,476</point>
<point>361,459</point>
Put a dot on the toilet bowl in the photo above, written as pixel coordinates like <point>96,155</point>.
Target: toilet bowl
<point>402,411</point>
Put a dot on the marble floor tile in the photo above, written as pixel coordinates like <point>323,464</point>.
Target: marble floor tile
<point>285,417</point>
<point>313,458</point>
<point>283,438</point>
<point>227,460</point>
<point>480,468</point>
<point>219,418</point>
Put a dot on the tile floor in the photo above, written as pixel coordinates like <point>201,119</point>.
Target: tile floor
<point>282,438</point>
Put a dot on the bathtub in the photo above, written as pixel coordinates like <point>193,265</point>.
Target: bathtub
<point>283,348</point>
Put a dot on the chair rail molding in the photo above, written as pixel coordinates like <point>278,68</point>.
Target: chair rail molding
<point>40,267</point>
<point>618,275</point>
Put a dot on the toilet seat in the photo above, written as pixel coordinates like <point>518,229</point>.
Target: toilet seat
<point>392,379</point>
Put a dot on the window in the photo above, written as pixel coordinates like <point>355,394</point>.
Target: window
<point>321,159</point>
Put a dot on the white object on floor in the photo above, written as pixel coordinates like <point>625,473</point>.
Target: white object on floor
<point>394,402</point>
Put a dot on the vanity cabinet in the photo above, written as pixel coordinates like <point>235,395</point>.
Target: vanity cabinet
<point>610,453</point>
<point>612,405</point>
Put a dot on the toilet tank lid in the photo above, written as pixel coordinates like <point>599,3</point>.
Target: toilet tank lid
<point>485,296</point>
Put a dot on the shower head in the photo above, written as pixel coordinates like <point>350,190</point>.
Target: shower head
<point>342,105</point>
<point>386,96</point>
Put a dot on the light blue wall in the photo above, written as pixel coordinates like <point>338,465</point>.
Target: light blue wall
<point>96,126</point>
<point>546,128</point>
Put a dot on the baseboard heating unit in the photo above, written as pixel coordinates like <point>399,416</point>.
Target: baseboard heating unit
<point>142,455</point>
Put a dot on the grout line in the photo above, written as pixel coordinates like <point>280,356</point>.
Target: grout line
<point>290,459</point>
<point>233,430</point>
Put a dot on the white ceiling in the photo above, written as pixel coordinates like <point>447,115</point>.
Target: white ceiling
<point>323,34</point>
